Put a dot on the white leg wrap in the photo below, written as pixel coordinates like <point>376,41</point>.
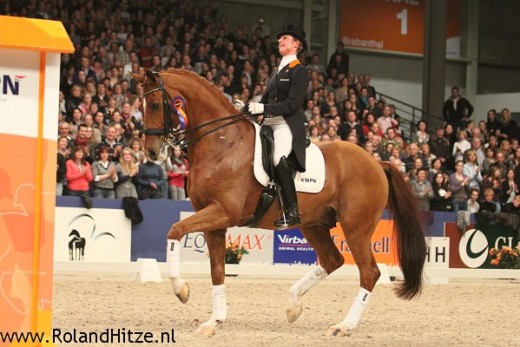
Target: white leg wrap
<point>173,258</point>
<point>356,310</point>
<point>173,262</point>
<point>307,282</point>
<point>219,303</point>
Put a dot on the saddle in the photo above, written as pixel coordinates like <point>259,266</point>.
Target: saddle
<point>269,193</point>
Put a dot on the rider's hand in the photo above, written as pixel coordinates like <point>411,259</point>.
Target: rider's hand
<point>239,105</point>
<point>254,108</point>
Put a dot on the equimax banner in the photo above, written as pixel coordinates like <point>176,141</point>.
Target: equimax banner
<point>258,242</point>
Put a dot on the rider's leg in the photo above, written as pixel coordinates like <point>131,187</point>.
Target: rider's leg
<point>286,180</point>
<point>282,148</point>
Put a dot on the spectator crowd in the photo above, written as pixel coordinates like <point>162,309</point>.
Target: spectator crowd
<point>462,165</point>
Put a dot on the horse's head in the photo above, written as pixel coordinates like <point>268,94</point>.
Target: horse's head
<point>159,120</point>
<point>174,98</point>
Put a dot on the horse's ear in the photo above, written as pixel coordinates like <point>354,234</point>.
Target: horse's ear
<point>137,77</point>
<point>150,75</point>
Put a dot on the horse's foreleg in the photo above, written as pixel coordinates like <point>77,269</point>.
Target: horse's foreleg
<point>330,259</point>
<point>216,241</point>
<point>212,217</point>
<point>173,261</point>
<point>358,240</point>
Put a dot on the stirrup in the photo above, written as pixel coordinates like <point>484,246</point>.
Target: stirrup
<point>291,217</point>
<point>281,224</point>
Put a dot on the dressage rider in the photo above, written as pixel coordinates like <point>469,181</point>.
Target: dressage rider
<point>282,109</point>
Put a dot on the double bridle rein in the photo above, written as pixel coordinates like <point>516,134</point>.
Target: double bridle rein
<point>178,137</point>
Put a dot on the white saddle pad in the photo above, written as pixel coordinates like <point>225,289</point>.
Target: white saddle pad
<point>310,181</point>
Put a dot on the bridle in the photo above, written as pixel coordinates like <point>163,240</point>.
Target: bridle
<point>174,137</point>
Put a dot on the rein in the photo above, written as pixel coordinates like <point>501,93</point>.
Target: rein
<point>177,137</point>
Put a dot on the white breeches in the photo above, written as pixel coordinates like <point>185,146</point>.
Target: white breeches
<point>282,138</point>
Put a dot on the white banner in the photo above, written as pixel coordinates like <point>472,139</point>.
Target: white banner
<point>96,234</point>
<point>19,86</point>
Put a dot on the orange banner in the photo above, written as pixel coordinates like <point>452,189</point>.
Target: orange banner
<point>17,218</point>
<point>382,244</point>
<point>393,25</point>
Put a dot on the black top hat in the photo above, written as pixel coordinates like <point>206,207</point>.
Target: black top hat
<point>295,32</point>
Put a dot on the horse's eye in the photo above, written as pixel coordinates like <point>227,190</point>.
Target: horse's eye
<point>154,106</point>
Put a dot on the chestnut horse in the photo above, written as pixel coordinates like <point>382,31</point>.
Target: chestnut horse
<point>225,193</point>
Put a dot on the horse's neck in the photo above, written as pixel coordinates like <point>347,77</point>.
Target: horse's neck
<point>225,143</point>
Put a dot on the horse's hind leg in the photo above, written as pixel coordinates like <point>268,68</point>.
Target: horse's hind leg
<point>330,259</point>
<point>358,238</point>
<point>216,241</point>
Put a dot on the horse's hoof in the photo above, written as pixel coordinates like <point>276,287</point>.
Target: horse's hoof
<point>293,311</point>
<point>184,293</point>
<point>337,330</point>
<point>205,331</point>
<point>208,328</point>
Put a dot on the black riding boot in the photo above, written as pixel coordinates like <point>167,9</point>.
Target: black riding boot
<point>286,181</point>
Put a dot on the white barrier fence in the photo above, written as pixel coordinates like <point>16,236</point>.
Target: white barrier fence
<point>432,275</point>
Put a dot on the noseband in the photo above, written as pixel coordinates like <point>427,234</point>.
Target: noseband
<point>177,137</point>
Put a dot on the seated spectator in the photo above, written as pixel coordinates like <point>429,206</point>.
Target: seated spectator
<point>488,160</point>
<point>435,168</point>
<point>314,134</point>
<point>392,137</point>
<point>177,167</point>
<point>473,205</point>
<point>79,173</point>
<point>104,174</point>
<point>509,188</point>
<point>127,171</point>
<point>426,155</point>
<point>472,170</point>
<point>458,185</point>
<point>440,147</point>
<point>413,153</point>
<point>441,193</point>
<point>513,207</point>
<point>461,146</point>
<point>386,121</point>
<point>352,124</point>
<point>150,178</point>
<point>422,133</point>
<point>422,190</point>
<point>492,180</point>
<point>489,204</point>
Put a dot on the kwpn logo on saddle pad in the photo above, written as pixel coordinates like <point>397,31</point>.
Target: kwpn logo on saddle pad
<point>291,248</point>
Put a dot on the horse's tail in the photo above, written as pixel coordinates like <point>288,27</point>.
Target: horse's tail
<point>411,244</point>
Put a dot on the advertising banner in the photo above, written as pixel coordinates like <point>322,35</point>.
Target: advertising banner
<point>382,244</point>
<point>291,248</point>
<point>96,235</point>
<point>258,242</point>
<point>471,249</point>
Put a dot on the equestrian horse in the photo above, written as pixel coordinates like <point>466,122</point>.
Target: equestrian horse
<point>182,108</point>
